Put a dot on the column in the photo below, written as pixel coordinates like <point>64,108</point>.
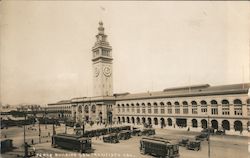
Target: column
<point>244,110</point>
<point>219,109</point>
<point>189,122</point>
<point>104,112</point>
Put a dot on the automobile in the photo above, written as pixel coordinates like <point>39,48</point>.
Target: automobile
<point>208,130</point>
<point>202,136</point>
<point>194,145</point>
<point>124,135</point>
<point>147,125</point>
<point>111,138</point>
<point>135,132</point>
<point>183,142</point>
<point>159,147</point>
<point>147,132</point>
<point>220,132</point>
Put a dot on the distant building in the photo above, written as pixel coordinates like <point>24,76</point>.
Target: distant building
<point>198,106</point>
<point>29,107</point>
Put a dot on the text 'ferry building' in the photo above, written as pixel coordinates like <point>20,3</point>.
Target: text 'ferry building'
<point>195,107</point>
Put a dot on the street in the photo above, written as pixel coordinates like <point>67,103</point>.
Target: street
<point>221,146</point>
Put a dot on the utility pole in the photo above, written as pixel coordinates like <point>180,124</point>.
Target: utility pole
<point>24,139</point>
<point>83,128</point>
<point>39,132</point>
<point>45,114</point>
<point>65,126</point>
<point>54,131</point>
<point>24,129</point>
<point>208,137</point>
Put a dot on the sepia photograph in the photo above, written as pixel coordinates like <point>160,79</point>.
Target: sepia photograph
<point>124,79</point>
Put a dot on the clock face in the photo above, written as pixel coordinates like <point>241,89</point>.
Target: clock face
<point>96,71</point>
<point>107,71</point>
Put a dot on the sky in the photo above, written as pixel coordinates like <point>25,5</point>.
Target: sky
<point>46,46</point>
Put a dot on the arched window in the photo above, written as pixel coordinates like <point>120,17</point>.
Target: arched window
<point>162,108</point>
<point>225,107</point>
<point>127,105</point>
<point>169,107</point>
<point>80,109</point>
<point>143,108</point>
<point>118,108</point>
<point>169,104</point>
<point>214,107</point>
<point>123,108</point>
<point>132,107</point>
<point>86,109</point>
<point>194,103</point>
<point>194,123</point>
<point>214,102</point>
<point>194,107</point>
<point>149,108</point>
<point>203,106</point>
<point>93,108</point>
<point>185,107</point>
<point>155,121</point>
<point>177,107</point>
<point>155,108</point>
<point>176,103</point>
<point>137,107</point>
<point>237,107</point>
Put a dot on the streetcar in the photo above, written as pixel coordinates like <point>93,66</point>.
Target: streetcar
<point>6,145</point>
<point>111,138</point>
<point>72,142</point>
<point>159,148</point>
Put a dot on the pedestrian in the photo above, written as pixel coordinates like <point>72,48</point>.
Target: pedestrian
<point>32,141</point>
<point>48,134</point>
<point>34,151</point>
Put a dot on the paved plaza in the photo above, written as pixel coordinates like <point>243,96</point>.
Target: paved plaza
<point>221,146</point>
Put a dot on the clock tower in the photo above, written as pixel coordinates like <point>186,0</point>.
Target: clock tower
<point>102,65</point>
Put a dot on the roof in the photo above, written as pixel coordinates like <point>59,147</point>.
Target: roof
<point>195,90</point>
<point>186,91</point>
<point>159,141</point>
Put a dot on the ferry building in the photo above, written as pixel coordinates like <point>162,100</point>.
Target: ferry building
<point>194,107</point>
